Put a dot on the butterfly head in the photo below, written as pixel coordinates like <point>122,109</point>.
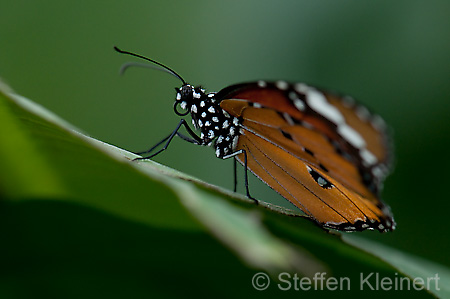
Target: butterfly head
<point>189,98</point>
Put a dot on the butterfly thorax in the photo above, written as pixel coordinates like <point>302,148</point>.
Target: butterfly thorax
<point>215,125</point>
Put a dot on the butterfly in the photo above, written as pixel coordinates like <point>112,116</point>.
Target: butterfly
<point>323,152</point>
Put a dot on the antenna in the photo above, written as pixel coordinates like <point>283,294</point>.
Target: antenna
<point>163,67</point>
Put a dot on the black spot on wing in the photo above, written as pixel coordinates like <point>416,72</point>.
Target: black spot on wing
<point>308,151</point>
<point>320,180</point>
<point>286,135</point>
<point>323,167</point>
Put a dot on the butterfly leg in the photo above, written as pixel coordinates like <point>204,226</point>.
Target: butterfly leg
<point>162,141</point>
<point>233,155</point>
<point>195,139</point>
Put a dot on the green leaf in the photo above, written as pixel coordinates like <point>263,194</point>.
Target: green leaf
<point>55,179</point>
<point>425,274</point>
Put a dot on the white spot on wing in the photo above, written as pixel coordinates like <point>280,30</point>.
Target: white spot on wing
<point>202,104</point>
<point>378,172</point>
<point>368,157</point>
<point>378,123</point>
<point>257,105</point>
<point>183,105</point>
<point>211,109</point>
<point>283,85</point>
<point>288,118</point>
<point>262,84</point>
<point>363,113</point>
<point>317,101</point>
<point>351,136</point>
<point>301,87</point>
<point>299,104</point>
<point>293,95</point>
<point>194,108</point>
<point>348,101</point>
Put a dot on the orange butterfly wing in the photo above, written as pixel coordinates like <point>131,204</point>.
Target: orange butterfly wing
<point>330,164</point>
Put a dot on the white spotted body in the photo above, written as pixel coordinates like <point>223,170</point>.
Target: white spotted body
<point>214,123</point>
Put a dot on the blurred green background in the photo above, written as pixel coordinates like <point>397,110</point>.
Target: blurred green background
<point>392,56</point>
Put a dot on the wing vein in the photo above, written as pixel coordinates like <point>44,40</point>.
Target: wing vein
<point>303,160</point>
<point>257,161</point>
<point>297,181</point>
